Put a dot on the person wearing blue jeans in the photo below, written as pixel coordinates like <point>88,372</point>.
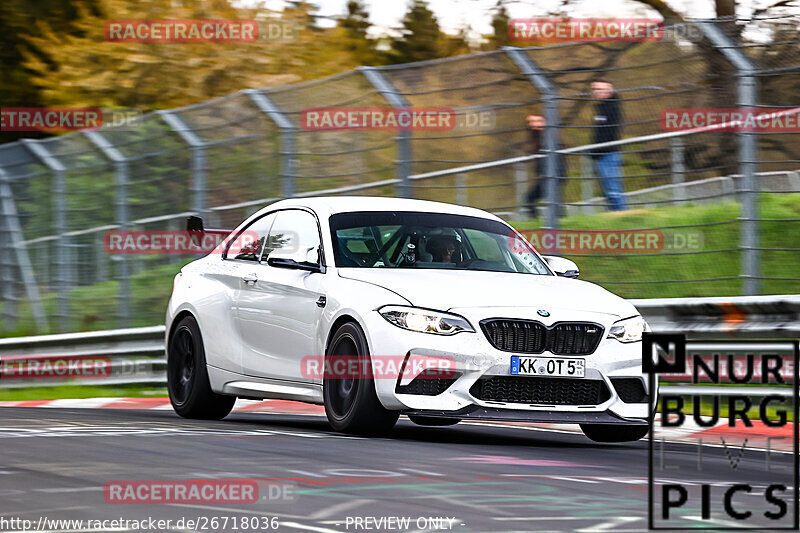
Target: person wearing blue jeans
<point>609,168</point>
<point>607,125</point>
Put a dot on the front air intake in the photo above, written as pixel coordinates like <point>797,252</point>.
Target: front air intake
<point>548,391</point>
<point>530,336</point>
<point>428,383</point>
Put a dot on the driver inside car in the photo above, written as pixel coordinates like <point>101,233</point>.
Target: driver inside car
<point>444,249</point>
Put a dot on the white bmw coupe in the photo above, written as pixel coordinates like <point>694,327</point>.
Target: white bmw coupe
<point>376,307</point>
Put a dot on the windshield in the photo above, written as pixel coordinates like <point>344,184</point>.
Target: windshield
<point>401,239</point>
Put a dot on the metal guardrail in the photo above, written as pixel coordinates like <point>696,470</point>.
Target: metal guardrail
<point>688,390</point>
<point>136,355</point>
<point>742,317</point>
<point>131,357</point>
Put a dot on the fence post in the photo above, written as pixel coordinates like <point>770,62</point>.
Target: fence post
<point>198,148</point>
<point>288,163</point>
<point>62,250</point>
<point>539,79</point>
<point>520,189</point>
<point>587,184</point>
<point>678,169</point>
<point>62,247</point>
<point>748,154</point>
<point>199,181</point>
<point>16,239</point>
<point>121,216</point>
<point>794,180</point>
<point>9,315</point>
<point>462,195</point>
<point>387,90</point>
<point>288,139</point>
<point>101,257</point>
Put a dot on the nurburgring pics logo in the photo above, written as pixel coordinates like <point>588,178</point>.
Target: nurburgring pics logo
<point>757,415</point>
<point>560,30</point>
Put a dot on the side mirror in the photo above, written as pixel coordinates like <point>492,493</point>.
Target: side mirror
<point>194,226</point>
<point>303,259</point>
<point>561,266</point>
<point>194,223</point>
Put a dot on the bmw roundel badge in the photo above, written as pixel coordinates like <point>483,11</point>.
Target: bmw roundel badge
<point>542,312</point>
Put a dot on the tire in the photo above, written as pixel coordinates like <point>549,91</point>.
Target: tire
<point>614,432</point>
<point>187,376</point>
<point>351,403</point>
<point>433,421</point>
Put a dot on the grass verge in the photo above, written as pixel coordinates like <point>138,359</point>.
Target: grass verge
<point>667,274</point>
<point>79,392</point>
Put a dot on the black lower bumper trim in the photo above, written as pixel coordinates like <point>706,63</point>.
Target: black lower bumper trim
<point>476,412</point>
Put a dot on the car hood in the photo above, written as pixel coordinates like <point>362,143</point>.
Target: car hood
<point>444,290</point>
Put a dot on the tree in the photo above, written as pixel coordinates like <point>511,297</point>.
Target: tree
<point>421,37</point>
<point>455,45</point>
<point>500,24</point>
<point>301,12</point>
<point>356,27</point>
<point>80,68</point>
<point>356,23</point>
<point>19,19</point>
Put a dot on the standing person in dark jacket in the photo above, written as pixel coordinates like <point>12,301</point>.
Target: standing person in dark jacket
<point>536,124</point>
<point>607,125</point>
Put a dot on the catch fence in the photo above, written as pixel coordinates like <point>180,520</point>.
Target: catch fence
<point>226,158</point>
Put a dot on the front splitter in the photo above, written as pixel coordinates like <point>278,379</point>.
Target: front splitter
<point>476,412</point>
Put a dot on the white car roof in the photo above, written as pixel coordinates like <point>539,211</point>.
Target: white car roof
<point>329,205</point>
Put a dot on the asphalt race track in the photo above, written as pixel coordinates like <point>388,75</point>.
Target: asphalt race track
<point>54,464</point>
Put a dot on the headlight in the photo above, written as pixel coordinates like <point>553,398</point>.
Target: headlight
<point>425,320</point>
<point>628,330</point>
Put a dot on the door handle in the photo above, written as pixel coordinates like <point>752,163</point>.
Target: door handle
<point>250,278</point>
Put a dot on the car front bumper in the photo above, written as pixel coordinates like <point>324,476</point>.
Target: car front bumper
<point>498,414</point>
<point>472,357</point>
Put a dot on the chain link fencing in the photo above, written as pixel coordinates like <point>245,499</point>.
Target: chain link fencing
<point>725,203</point>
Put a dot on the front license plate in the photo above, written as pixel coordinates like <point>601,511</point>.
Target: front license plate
<point>523,365</point>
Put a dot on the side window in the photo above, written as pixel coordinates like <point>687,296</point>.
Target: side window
<point>247,246</point>
<point>294,231</point>
<point>485,245</point>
